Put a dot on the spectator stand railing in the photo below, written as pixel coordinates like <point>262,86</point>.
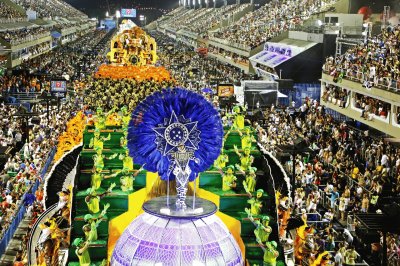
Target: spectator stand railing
<point>20,213</point>
<point>360,77</point>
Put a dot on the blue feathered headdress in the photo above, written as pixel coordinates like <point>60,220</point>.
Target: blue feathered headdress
<point>172,118</point>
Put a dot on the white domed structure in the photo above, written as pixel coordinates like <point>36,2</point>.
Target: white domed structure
<point>152,240</point>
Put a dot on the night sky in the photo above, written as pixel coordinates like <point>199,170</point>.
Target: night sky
<point>98,8</point>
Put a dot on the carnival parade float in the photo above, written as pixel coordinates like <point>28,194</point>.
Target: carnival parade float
<point>165,182</point>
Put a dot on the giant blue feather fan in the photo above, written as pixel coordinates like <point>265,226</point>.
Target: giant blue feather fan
<point>168,121</point>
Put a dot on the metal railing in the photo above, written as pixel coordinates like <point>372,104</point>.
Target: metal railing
<point>383,83</point>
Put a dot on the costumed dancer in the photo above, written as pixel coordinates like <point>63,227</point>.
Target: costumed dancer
<point>98,176</point>
<point>90,228</point>
<point>101,118</point>
<point>270,254</point>
<point>223,158</point>
<point>238,122</point>
<point>246,159</point>
<point>228,178</point>
<point>127,178</point>
<point>255,203</point>
<point>99,157</point>
<point>123,141</point>
<point>97,141</point>
<point>251,179</point>
<point>247,138</point>
<point>82,251</point>
<point>263,230</point>
<point>93,199</point>
<point>127,161</point>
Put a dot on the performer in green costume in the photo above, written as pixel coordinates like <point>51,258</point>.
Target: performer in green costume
<point>126,117</point>
<point>256,203</point>
<point>82,251</point>
<point>270,254</point>
<point>263,230</point>
<point>247,138</point>
<point>250,183</point>
<point>246,160</point>
<point>238,122</point>
<point>127,178</point>
<point>220,162</point>
<point>97,141</point>
<point>127,161</point>
<point>93,199</point>
<point>98,176</point>
<point>123,141</point>
<point>90,228</point>
<point>100,118</point>
<point>228,178</point>
<point>98,158</point>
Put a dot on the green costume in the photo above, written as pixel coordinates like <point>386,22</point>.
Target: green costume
<point>246,160</point>
<point>247,138</point>
<point>270,254</point>
<point>127,180</point>
<point>228,179</point>
<point>93,204</point>
<point>97,141</point>
<point>97,177</point>
<point>238,122</point>
<point>221,161</point>
<point>126,117</point>
<point>256,203</point>
<point>127,161</point>
<point>84,257</point>
<point>92,234</point>
<point>263,230</point>
<point>93,223</point>
<point>250,182</point>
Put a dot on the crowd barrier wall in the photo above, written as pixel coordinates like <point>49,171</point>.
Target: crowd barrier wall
<point>20,213</point>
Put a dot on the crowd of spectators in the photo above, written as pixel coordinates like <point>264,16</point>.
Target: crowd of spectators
<point>238,59</point>
<point>51,9</point>
<point>270,20</point>
<point>374,63</point>
<point>194,71</point>
<point>371,107</point>
<point>336,95</point>
<point>23,169</point>
<point>19,36</point>
<point>205,19</point>
<point>347,168</point>
<point>9,14</point>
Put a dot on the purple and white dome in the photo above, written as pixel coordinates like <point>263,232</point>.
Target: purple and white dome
<point>151,240</point>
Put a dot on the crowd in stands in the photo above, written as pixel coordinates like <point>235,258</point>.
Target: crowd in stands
<point>9,14</point>
<point>374,63</point>
<point>194,71</point>
<point>336,95</point>
<point>22,170</point>
<point>349,168</point>
<point>269,21</point>
<point>19,36</point>
<point>371,106</point>
<point>229,55</point>
<point>50,9</point>
<point>70,61</point>
<point>213,20</point>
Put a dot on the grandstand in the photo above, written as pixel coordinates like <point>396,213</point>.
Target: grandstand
<point>31,28</point>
